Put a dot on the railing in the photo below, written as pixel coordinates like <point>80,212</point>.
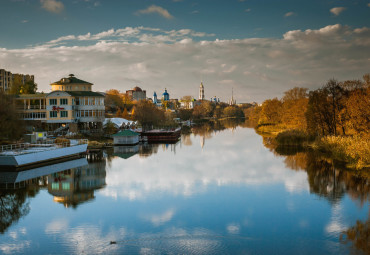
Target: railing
<point>32,107</point>
<point>21,148</point>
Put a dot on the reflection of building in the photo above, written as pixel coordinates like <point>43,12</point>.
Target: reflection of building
<point>126,152</point>
<point>77,185</point>
<point>202,140</point>
<point>136,94</point>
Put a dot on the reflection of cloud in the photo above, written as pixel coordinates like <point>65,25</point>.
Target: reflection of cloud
<point>336,225</point>
<point>88,239</point>
<point>233,228</point>
<point>159,219</point>
<point>226,160</point>
<point>56,226</point>
<point>18,247</point>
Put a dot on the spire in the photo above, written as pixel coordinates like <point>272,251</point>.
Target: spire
<point>201,91</point>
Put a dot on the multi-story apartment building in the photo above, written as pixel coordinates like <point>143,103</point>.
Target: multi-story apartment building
<point>71,104</point>
<point>7,79</point>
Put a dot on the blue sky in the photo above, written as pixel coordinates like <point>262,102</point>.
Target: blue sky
<point>261,48</point>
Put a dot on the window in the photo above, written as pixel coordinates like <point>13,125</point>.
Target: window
<point>52,101</point>
<point>53,114</point>
<point>63,101</point>
<point>64,114</point>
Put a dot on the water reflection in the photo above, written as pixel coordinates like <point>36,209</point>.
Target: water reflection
<point>220,190</point>
<point>330,180</point>
<point>77,185</point>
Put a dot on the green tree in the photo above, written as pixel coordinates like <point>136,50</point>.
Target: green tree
<point>11,127</point>
<point>18,87</point>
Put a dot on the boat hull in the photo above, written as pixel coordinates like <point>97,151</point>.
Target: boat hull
<point>162,136</point>
<point>22,160</point>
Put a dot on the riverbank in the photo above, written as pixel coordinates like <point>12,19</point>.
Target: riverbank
<point>354,151</point>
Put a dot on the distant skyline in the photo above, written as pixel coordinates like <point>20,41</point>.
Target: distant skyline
<point>259,48</point>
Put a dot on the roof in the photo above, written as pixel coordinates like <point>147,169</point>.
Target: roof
<point>70,80</point>
<point>137,89</point>
<point>84,93</point>
<point>126,132</point>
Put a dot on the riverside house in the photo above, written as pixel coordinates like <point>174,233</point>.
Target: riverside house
<point>72,105</point>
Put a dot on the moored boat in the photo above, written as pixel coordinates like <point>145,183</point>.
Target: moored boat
<point>20,155</point>
<point>160,135</point>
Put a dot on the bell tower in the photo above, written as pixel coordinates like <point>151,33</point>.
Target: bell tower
<point>201,91</point>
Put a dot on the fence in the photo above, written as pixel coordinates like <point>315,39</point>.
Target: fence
<point>43,144</point>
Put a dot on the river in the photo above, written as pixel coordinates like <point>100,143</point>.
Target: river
<point>222,189</point>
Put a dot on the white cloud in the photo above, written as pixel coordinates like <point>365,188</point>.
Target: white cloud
<point>52,5</point>
<point>337,10</point>
<point>257,68</point>
<point>156,9</point>
<point>288,14</point>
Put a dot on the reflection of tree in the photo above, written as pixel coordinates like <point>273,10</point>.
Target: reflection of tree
<point>297,161</point>
<point>186,140</point>
<point>359,235</point>
<point>13,206</point>
<point>325,177</point>
<point>147,150</point>
<point>330,180</point>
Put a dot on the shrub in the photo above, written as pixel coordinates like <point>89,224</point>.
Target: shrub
<point>354,150</point>
<point>292,137</point>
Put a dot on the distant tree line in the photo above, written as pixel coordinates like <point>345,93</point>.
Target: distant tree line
<point>337,108</point>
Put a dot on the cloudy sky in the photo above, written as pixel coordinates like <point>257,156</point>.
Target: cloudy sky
<point>260,48</point>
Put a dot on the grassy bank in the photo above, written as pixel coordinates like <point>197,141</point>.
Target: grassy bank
<point>353,150</point>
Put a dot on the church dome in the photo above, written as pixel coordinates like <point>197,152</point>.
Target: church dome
<point>137,89</point>
<point>165,93</point>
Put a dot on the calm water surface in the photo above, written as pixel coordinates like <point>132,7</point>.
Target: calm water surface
<point>225,192</point>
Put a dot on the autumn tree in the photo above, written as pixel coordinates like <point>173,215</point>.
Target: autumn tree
<point>148,114</point>
<point>115,100</point>
<point>204,110</point>
<point>232,111</point>
<point>185,114</point>
<point>294,108</point>
<point>357,108</point>
<point>271,111</point>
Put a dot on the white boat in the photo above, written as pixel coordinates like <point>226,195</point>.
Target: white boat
<point>20,155</point>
